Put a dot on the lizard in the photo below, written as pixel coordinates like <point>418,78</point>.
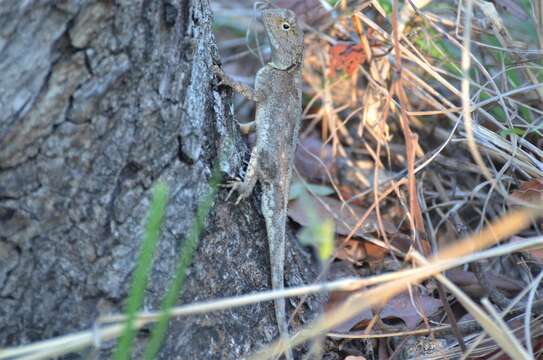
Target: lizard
<point>278,97</point>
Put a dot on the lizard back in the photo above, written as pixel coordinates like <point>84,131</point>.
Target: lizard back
<point>278,119</point>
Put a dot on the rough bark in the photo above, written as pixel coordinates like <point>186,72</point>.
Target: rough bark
<point>99,100</point>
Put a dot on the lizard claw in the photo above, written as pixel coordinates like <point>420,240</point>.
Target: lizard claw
<point>219,72</point>
<point>233,185</point>
<point>239,186</point>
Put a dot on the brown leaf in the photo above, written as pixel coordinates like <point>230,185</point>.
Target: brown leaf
<point>338,297</point>
<point>338,270</point>
<point>353,251</point>
<point>531,191</point>
<point>374,252</point>
<point>400,307</point>
<point>470,284</point>
<point>349,193</point>
<point>400,241</point>
<point>538,345</point>
<point>345,217</point>
<point>314,160</point>
<point>536,252</point>
<point>346,57</point>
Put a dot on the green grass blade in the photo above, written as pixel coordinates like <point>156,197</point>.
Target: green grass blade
<point>143,268</point>
<point>186,254</point>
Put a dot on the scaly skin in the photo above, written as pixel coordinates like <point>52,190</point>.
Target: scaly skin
<point>278,97</point>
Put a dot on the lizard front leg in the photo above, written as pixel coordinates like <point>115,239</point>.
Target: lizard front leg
<point>243,89</point>
<point>245,187</point>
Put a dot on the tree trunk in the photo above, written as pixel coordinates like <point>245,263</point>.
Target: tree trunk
<point>99,100</point>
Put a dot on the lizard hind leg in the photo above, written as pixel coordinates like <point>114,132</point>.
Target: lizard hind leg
<point>245,187</point>
<point>274,211</point>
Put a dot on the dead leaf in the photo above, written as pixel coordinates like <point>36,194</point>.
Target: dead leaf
<point>314,160</point>
<point>335,299</point>
<point>339,270</point>
<point>375,253</point>
<point>297,188</point>
<point>345,57</point>
<point>531,191</point>
<point>469,283</point>
<point>345,217</point>
<point>538,345</point>
<point>353,251</point>
<point>536,252</point>
<point>400,307</point>
<point>349,193</point>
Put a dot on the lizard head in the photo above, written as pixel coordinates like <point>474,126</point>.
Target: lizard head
<point>286,37</point>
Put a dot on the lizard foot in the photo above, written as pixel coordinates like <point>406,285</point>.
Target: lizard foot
<point>240,187</point>
<point>224,80</point>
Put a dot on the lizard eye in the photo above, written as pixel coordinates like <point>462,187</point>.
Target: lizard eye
<point>286,26</point>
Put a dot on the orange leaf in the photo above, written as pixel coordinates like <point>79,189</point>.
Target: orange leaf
<point>374,252</point>
<point>346,57</point>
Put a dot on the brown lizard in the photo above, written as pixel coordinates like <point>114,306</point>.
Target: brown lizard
<point>278,97</point>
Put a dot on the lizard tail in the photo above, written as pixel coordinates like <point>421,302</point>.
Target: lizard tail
<point>274,211</point>
<point>280,315</point>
